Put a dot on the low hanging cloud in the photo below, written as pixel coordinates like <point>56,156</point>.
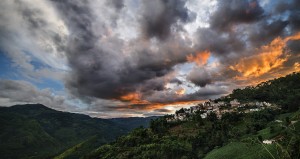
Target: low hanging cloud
<point>21,92</point>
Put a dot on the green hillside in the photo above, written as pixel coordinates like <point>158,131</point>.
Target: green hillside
<point>240,150</point>
<point>211,140</point>
<point>235,135</point>
<point>284,91</point>
<point>35,131</point>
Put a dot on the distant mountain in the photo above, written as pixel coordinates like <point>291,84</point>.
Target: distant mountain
<point>36,131</point>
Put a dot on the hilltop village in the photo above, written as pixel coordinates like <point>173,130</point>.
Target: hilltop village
<point>219,108</point>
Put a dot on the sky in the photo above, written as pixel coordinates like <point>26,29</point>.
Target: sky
<point>124,58</point>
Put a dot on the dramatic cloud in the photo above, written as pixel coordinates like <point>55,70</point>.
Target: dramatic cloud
<point>233,12</point>
<point>159,16</point>
<point>141,57</point>
<point>104,66</point>
<point>200,77</point>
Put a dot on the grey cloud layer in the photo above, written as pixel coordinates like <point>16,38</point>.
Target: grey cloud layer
<point>20,92</point>
<point>101,67</point>
<point>105,65</point>
<point>160,15</point>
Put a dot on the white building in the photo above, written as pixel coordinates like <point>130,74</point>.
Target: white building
<point>268,142</point>
<point>234,103</point>
<point>221,103</point>
<point>204,115</point>
<point>254,110</point>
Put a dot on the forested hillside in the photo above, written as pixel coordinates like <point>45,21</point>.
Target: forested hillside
<point>284,91</point>
<point>268,133</point>
<point>35,131</point>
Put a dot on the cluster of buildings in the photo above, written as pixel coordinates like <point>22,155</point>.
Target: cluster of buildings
<point>218,108</point>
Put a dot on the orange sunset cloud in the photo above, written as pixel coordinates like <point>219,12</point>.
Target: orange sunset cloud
<point>270,57</point>
<point>200,58</point>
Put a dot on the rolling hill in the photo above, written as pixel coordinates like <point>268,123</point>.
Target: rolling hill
<point>36,131</point>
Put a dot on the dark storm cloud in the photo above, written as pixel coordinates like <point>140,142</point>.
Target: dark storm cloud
<point>156,84</point>
<point>93,66</point>
<point>226,38</point>
<point>283,6</point>
<point>294,20</point>
<point>292,8</point>
<point>88,77</point>
<point>200,77</point>
<point>118,4</point>
<point>219,43</point>
<point>99,67</point>
<point>264,32</point>
<point>294,47</point>
<point>78,17</point>
<point>231,12</point>
<point>160,15</point>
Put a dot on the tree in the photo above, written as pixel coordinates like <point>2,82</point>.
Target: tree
<point>287,121</point>
<point>197,118</point>
<point>272,129</point>
<point>212,117</point>
<point>260,138</point>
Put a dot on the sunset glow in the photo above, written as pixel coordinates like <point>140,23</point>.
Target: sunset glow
<point>117,58</point>
<point>200,58</point>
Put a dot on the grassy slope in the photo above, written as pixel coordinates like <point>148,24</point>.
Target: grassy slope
<point>247,150</point>
<point>239,150</point>
<point>81,149</point>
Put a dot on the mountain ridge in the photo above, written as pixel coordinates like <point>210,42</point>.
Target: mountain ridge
<point>38,131</point>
